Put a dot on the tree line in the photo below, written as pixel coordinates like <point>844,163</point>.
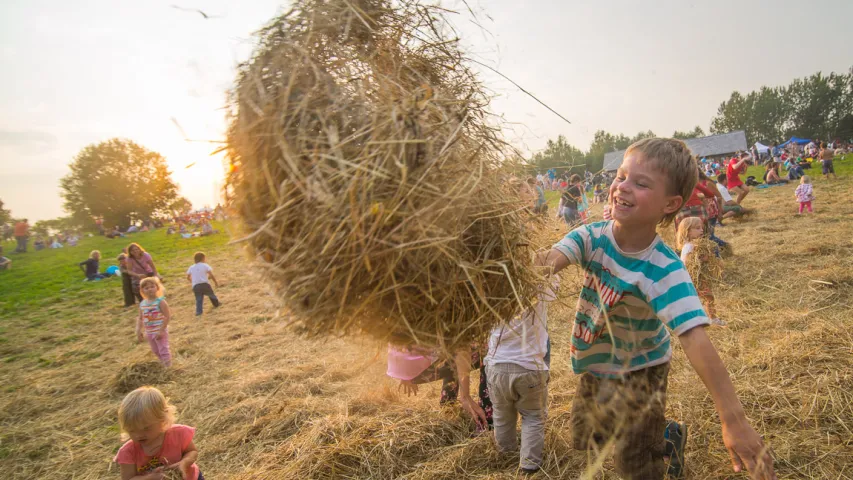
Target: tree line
<point>816,107</point>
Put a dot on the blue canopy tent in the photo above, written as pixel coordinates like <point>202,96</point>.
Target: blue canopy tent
<point>798,141</point>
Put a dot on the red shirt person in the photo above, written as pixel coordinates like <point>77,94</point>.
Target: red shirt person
<point>734,183</point>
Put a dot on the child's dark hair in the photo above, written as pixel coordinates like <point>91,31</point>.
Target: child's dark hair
<point>575,178</point>
<point>198,257</point>
<point>721,178</point>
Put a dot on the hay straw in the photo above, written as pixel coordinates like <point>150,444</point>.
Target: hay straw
<point>373,189</point>
<point>703,265</point>
<point>135,375</point>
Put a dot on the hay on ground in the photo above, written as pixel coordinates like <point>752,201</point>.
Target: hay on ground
<point>136,375</point>
<point>375,192</point>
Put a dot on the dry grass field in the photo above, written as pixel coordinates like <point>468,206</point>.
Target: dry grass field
<point>269,403</point>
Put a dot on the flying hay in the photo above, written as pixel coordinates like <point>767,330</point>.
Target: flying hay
<point>375,193</point>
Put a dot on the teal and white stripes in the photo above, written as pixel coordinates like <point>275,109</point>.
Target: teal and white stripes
<point>628,303</point>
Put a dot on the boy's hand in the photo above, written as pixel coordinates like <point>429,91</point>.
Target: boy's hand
<point>139,337</point>
<point>746,449</point>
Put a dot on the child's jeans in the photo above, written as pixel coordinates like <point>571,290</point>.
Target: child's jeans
<point>200,290</point>
<point>516,390</point>
<point>806,205</point>
<point>629,410</point>
<point>160,347</point>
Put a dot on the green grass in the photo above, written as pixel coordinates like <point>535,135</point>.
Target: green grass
<point>39,281</point>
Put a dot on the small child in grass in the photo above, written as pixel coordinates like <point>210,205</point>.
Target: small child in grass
<point>805,194</point>
<point>690,241</point>
<point>91,265</point>
<point>635,291</point>
<point>155,443</point>
<point>5,263</point>
<point>198,275</point>
<point>153,320</point>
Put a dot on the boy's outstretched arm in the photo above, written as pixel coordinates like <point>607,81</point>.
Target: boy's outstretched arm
<point>552,258</point>
<point>742,441</point>
<point>463,373</point>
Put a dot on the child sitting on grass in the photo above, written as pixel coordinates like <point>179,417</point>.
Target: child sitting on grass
<point>5,263</point>
<point>517,368</point>
<point>91,265</point>
<point>805,194</point>
<point>698,252</point>
<point>635,290</point>
<point>153,320</point>
<point>198,275</point>
<point>155,443</point>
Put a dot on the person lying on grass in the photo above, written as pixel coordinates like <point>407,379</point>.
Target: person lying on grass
<point>635,290</point>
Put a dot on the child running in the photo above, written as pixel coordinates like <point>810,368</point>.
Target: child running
<point>687,239</point>
<point>517,369</point>
<point>155,443</point>
<point>154,316</point>
<point>198,275</point>
<point>635,291</point>
<point>805,194</point>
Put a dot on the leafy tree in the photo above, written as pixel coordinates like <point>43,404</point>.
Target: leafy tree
<point>811,107</point>
<point>46,227</point>
<point>5,215</point>
<point>180,205</point>
<point>695,133</point>
<point>119,180</point>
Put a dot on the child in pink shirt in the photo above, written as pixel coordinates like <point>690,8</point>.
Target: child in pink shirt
<point>805,194</point>
<point>156,443</point>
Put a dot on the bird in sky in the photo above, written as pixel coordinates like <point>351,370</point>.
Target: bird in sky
<point>206,16</point>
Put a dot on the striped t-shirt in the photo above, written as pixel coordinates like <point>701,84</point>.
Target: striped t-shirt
<point>152,316</point>
<point>626,300</point>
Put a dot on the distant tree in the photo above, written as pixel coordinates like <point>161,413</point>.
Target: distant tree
<point>119,180</point>
<point>695,133</point>
<point>5,215</point>
<point>180,205</point>
<point>47,227</point>
<point>558,153</point>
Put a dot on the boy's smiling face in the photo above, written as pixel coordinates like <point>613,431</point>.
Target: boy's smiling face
<point>640,193</point>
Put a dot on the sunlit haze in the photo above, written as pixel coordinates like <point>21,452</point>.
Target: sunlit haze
<point>76,73</point>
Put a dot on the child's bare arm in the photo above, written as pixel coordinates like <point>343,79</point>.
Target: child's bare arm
<point>215,282</point>
<point>184,465</point>
<point>745,446</point>
<point>552,258</point>
<point>189,278</point>
<point>139,325</point>
<point>167,314</point>
<point>463,372</point>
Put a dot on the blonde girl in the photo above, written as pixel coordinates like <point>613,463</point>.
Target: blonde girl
<point>154,442</point>
<point>688,238</point>
<point>805,194</point>
<point>153,320</point>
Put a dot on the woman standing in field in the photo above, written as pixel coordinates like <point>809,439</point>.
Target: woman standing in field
<point>139,265</point>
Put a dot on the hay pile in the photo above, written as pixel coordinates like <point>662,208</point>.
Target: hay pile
<point>704,267</point>
<point>135,375</point>
<point>376,195</point>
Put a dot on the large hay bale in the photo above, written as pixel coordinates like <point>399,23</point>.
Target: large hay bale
<point>135,375</point>
<point>372,185</point>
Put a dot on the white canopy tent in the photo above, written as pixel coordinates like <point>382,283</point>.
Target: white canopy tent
<point>761,148</point>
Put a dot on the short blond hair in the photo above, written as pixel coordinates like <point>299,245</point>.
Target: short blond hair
<point>156,281</point>
<point>684,230</point>
<point>676,161</point>
<point>805,179</point>
<point>143,407</point>
<point>93,252</point>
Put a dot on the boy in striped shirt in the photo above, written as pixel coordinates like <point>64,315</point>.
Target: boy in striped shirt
<point>636,290</point>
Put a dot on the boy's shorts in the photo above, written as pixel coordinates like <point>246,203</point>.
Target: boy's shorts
<point>827,167</point>
<point>631,411</point>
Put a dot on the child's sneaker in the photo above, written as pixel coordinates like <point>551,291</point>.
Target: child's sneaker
<point>718,322</point>
<point>675,436</point>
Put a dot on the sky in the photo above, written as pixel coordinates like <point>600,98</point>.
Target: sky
<point>77,73</point>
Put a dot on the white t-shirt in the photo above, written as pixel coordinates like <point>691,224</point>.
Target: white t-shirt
<point>198,273</point>
<point>685,251</point>
<point>524,339</point>
<point>724,191</point>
